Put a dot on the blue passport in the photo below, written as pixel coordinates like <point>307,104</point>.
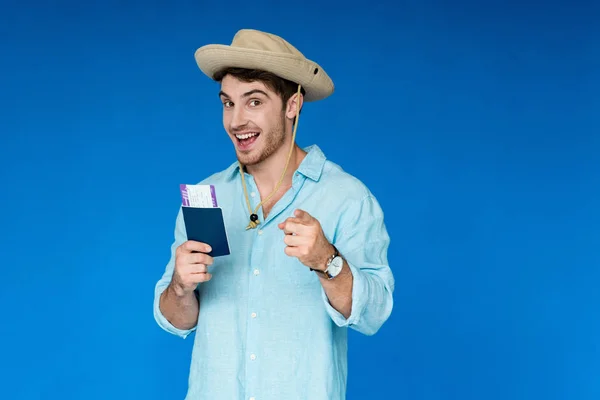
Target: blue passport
<point>207,225</point>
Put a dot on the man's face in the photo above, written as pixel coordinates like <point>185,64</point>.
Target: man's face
<point>254,118</point>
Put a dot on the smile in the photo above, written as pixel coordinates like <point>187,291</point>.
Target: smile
<point>245,141</point>
<point>246,135</point>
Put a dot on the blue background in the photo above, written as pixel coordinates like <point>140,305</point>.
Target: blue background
<point>476,125</point>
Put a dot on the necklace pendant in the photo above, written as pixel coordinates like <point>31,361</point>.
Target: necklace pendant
<point>253,222</point>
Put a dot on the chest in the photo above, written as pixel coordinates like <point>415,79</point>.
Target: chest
<point>258,264</point>
<point>270,199</point>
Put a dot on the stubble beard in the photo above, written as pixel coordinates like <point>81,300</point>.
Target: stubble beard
<point>274,140</point>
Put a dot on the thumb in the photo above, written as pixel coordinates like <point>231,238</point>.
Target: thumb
<point>303,215</point>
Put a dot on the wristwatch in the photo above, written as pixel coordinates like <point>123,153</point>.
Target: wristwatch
<point>333,267</point>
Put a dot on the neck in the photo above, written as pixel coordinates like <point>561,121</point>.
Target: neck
<point>268,173</point>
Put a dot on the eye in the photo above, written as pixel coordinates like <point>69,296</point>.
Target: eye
<point>227,104</point>
<point>254,103</point>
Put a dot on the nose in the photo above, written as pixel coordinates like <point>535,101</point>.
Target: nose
<point>238,118</point>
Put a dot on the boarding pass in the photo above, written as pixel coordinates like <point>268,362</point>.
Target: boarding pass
<point>202,196</point>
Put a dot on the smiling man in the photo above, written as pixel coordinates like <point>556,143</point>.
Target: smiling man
<point>309,244</point>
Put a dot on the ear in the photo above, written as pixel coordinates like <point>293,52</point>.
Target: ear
<point>294,102</point>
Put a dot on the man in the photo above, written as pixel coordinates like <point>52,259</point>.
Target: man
<point>308,243</point>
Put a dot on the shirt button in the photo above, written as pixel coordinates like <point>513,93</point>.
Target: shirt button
<point>252,194</point>
<point>253,315</point>
<point>260,232</point>
<point>252,357</point>
<point>256,272</point>
<point>252,398</point>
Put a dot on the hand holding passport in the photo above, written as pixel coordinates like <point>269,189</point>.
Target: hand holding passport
<point>203,218</point>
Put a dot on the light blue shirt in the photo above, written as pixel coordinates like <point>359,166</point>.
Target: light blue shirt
<point>266,330</point>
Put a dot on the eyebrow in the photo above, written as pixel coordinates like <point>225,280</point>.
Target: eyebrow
<point>247,94</point>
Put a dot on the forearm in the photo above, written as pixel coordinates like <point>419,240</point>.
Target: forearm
<point>180,309</point>
<point>364,301</point>
<point>339,291</point>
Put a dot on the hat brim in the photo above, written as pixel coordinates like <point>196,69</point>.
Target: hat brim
<point>315,81</point>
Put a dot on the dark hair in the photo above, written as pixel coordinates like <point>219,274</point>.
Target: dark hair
<point>283,87</point>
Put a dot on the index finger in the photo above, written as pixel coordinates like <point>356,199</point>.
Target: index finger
<point>194,246</point>
<point>293,226</point>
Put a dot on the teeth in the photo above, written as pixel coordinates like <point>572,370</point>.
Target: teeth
<point>246,136</point>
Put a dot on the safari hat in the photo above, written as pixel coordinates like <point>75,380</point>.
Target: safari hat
<point>254,49</point>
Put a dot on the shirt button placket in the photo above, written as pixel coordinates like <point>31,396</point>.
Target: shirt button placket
<point>253,328</point>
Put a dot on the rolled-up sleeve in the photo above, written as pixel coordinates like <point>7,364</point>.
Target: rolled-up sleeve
<point>363,241</point>
<point>165,280</point>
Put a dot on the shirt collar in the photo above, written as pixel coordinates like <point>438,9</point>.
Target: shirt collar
<point>311,167</point>
<point>313,163</point>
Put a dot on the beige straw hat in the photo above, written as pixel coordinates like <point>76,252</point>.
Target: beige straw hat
<point>260,50</point>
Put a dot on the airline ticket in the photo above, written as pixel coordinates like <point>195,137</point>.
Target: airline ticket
<point>202,196</point>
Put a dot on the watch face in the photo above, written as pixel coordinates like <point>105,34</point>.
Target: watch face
<point>336,265</point>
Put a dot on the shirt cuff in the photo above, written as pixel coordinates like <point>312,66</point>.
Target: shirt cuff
<point>164,323</point>
<point>359,289</point>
